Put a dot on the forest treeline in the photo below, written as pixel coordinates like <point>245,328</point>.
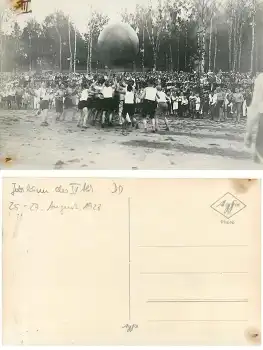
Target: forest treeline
<point>174,35</point>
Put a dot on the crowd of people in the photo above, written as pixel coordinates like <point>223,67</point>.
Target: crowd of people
<point>129,98</point>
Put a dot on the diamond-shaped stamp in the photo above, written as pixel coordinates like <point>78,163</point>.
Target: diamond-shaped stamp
<point>228,205</point>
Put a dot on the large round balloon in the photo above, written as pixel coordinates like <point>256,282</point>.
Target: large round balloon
<point>118,44</point>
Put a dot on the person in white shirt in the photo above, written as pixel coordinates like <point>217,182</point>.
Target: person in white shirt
<point>107,103</point>
<point>68,104</point>
<point>122,88</point>
<point>97,98</point>
<point>83,107</point>
<point>59,95</point>
<point>37,99</point>
<point>129,106</point>
<point>184,104</point>
<point>162,107</point>
<point>149,104</point>
<point>213,106</point>
<point>44,105</point>
<point>197,105</point>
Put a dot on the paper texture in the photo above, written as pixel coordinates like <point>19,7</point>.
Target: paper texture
<point>90,261</point>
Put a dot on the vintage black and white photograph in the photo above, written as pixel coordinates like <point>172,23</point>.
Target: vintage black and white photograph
<point>160,84</point>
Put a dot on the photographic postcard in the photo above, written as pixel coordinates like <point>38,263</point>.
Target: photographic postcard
<point>101,261</point>
<point>138,84</point>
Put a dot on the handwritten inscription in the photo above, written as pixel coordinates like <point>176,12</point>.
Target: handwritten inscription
<point>81,192</point>
<point>75,188</point>
<point>130,327</point>
<point>61,208</point>
<point>29,188</point>
<point>72,188</point>
<point>116,188</point>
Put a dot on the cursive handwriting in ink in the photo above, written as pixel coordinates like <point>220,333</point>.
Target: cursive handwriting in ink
<point>34,207</point>
<point>228,206</point>
<point>17,189</point>
<point>31,188</point>
<point>92,206</point>
<point>62,208</point>
<point>13,206</point>
<point>116,189</point>
<point>87,188</point>
<point>74,188</point>
<point>77,187</point>
<point>130,327</point>
<point>60,189</point>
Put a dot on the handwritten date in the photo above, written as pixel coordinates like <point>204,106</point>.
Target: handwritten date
<point>61,208</point>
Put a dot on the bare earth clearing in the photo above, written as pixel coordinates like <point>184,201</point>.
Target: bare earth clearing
<point>191,144</point>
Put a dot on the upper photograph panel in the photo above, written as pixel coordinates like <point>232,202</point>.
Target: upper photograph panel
<point>160,84</point>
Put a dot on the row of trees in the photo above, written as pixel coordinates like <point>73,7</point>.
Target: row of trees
<point>174,35</point>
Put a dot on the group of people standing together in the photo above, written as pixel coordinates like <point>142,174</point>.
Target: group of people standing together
<point>108,100</point>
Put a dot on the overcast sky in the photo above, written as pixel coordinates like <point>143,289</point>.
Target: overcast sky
<point>79,10</point>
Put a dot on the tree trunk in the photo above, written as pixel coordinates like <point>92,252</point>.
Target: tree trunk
<point>143,52</point>
<point>60,49</point>
<point>210,45</point>
<point>234,45</point>
<point>186,50</point>
<point>30,52</point>
<point>230,33</point>
<point>178,52</point>
<point>75,48</point>
<point>2,53</point>
<point>256,56</point>
<point>215,53</point>
<point>60,53</point>
<point>70,48</point>
<point>1,41</point>
<point>90,52</point>
<point>203,52</point>
<point>198,50</point>
<point>171,58</point>
<point>154,59</point>
<point>237,30</point>
<point>253,38</point>
<point>240,47</point>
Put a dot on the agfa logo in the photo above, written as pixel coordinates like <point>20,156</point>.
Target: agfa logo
<point>228,205</point>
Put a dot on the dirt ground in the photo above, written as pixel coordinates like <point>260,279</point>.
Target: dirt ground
<point>191,144</point>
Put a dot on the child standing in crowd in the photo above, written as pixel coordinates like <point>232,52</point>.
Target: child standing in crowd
<point>238,102</point>
<point>107,103</point>
<point>121,95</point>
<point>192,104</point>
<point>26,99</point>
<point>197,105</point>
<point>83,107</point>
<point>220,96</point>
<point>59,96</point>
<point>162,106</point>
<point>44,104</point>
<point>129,107</point>
<point>184,105</point>
<point>205,105</point>
<point>149,105</point>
